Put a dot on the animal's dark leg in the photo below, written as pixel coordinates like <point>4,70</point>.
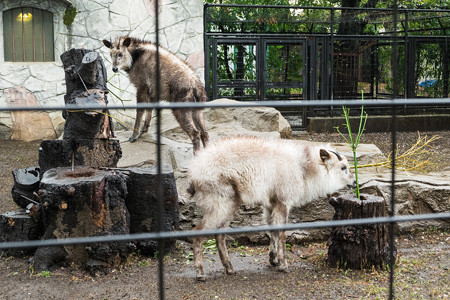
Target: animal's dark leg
<point>142,96</point>
<point>200,124</point>
<point>184,117</point>
<point>223,253</point>
<point>147,120</point>
<point>137,123</point>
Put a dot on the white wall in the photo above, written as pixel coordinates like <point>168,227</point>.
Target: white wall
<point>181,31</point>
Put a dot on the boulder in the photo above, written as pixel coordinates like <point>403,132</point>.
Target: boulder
<point>28,125</point>
<point>176,145</point>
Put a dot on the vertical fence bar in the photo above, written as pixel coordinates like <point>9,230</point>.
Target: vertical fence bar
<point>332,56</point>
<point>206,46</point>
<point>394,143</point>
<point>23,38</point>
<point>161,242</point>
<point>12,36</point>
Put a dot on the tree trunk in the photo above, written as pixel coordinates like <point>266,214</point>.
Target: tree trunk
<point>362,246</point>
<point>142,203</point>
<point>80,152</point>
<point>85,75</point>
<point>82,203</point>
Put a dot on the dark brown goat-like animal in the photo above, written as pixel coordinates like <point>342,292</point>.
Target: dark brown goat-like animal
<point>178,83</point>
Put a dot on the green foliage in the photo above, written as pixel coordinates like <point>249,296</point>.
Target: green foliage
<point>69,15</point>
<point>237,63</point>
<point>352,141</point>
<point>45,274</point>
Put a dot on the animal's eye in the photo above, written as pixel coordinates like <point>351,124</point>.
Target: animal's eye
<point>120,55</point>
<point>343,168</point>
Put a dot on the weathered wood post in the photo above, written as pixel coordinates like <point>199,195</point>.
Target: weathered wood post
<point>82,203</point>
<point>88,134</point>
<point>77,198</point>
<point>142,203</point>
<point>359,246</point>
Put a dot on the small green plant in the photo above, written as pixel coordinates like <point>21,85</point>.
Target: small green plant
<point>69,15</point>
<point>352,141</point>
<point>144,263</point>
<point>45,274</point>
<point>288,247</point>
<point>210,245</point>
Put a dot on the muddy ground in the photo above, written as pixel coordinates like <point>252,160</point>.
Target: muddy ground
<point>422,270</point>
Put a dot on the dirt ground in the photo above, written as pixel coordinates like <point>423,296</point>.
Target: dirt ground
<point>422,270</point>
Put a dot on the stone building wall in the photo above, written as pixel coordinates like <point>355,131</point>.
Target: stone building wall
<point>42,83</point>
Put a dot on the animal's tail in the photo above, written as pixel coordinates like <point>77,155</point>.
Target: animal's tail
<point>191,189</point>
<point>200,94</point>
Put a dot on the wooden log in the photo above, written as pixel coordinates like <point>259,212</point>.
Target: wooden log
<point>95,153</point>
<point>26,183</point>
<point>142,203</point>
<point>19,226</point>
<point>86,64</point>
<point>362,246</point>
<point>82,203</point>
<point>86,83</point>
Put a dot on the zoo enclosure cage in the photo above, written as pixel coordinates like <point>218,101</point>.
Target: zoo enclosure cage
<point>257,52</point>
<point>159,235</point>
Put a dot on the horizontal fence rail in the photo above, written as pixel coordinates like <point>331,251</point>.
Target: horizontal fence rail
<point>194,233</point>
<point>287,103</point>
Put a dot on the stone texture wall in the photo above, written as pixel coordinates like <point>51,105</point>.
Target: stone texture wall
<point>181,31</point>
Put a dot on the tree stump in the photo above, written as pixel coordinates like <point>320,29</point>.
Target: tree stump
<point>82,203</point>
<point>142,203</point>
<point>19,226</point>
<point>80,152</point>
<point>361,246</point>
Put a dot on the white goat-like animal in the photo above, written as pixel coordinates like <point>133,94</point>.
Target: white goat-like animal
<point>275,174</point>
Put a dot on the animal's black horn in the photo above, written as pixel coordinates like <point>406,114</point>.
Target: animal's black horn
<point>337,154</point>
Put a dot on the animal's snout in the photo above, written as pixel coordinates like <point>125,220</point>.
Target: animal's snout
<point>352,185</point>
<point>115,69</point>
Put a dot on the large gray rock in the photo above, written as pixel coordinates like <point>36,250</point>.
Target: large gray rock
<point>176,145</point>
<point>414,194</point>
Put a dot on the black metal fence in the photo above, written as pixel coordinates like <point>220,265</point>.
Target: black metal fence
<point>393,104</point>
<point>308,53</point>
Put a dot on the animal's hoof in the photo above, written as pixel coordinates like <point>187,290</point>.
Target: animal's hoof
<point>283,269</point>
<point>231,272</point>
<point>132,139</point>
<point>273,259</point>
<point>201,278</point>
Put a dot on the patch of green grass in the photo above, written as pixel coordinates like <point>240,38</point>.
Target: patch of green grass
<point>45,274</point>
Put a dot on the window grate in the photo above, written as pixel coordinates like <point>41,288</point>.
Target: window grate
<point>28,35</point>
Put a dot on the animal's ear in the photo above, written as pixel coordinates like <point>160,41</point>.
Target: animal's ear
<point>126,42</point>
<point>107,44</point>
<point>324,155</point>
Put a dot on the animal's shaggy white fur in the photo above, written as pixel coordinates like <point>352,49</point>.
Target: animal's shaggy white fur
<point>276,174</point>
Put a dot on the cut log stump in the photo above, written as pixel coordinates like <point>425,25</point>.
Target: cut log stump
<point>19,226</point>
<point>93,153</point>
<point>360,246</point>
<point>142,203</point>
<point>82,203</point>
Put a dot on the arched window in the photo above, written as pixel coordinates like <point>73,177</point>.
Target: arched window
<point>28,35</point>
